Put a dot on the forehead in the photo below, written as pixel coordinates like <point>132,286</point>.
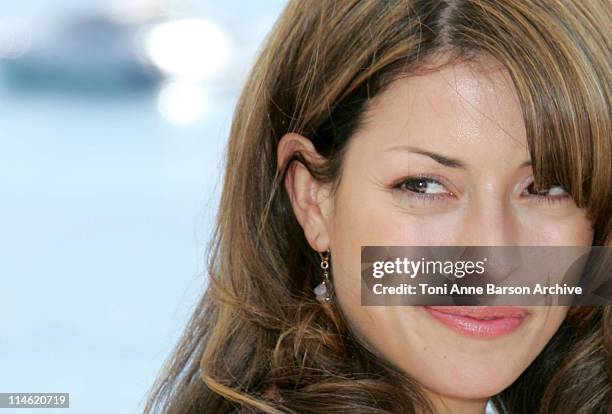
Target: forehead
<point>455,107</point>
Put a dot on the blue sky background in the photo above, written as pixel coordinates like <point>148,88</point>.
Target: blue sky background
<point>105,211</point>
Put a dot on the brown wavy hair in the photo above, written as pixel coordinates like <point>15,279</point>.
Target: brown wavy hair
<point>258,326</point>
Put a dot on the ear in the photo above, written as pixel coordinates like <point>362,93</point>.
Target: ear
<point>310,200</point>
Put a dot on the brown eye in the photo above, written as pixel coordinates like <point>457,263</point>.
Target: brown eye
<point>552,195</point>
<point>422,185</point>
<point>554,191</point>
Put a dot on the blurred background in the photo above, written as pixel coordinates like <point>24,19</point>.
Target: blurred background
<point>114,116</point>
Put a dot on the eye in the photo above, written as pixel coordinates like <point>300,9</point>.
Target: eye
<point>423,187</point>
<point>551,194</point>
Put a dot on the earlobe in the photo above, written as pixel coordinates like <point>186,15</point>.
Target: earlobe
<point>303,189</point>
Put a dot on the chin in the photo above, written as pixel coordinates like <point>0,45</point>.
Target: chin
<point>470,383</point>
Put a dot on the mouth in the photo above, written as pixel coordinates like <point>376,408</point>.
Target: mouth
<point>479,321</point>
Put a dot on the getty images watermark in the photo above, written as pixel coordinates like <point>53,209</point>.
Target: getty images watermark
<point>486,275</point>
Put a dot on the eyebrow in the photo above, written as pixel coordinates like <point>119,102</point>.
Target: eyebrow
<point>439,158</point>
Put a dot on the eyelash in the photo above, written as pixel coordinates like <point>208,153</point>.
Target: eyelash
<point>399,185</point>
<point>547,198</point>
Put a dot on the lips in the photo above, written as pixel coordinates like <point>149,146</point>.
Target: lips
<point>480,321</point>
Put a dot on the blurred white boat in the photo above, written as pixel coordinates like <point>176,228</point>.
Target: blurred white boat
<point>88,54</point>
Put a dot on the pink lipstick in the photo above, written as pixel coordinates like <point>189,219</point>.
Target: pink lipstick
<point>480,321</point>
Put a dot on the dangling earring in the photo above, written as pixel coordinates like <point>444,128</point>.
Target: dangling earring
<point>323,289</point>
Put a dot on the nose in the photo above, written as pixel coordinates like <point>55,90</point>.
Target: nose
<point>489,220</point>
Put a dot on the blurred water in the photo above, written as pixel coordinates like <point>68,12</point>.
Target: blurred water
<point>105,212</point>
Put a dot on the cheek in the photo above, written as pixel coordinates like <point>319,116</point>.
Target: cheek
<point>573,229</point>
<point>370,219</point>
<point>373,218</point>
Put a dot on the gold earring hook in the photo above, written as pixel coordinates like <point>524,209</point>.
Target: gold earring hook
<point>324,255</point>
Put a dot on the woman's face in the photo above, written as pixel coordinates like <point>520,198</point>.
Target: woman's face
<point>456,138</point>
